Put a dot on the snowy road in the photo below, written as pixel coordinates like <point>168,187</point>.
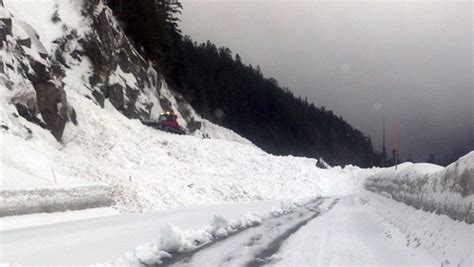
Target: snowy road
<point>90,241</point>
<point>350,234</point>
<point>328,232</point>
<point>253,246</point>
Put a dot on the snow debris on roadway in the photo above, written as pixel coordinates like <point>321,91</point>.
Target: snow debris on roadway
<point>174,240</point>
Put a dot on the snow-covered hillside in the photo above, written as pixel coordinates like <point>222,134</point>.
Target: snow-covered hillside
<point>97,136</point>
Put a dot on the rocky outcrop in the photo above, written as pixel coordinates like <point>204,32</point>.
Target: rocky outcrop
<point>118,75</point>
<point>51,101</point>
<point>45,104</point>
<point>32,38</point>
<point>48,97</point>
<point>5,25</point>
<point>121,74</point>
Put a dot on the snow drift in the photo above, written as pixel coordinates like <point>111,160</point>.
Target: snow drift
<point>448,191</point>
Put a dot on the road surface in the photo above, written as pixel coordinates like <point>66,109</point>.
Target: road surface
<point>328,231</point>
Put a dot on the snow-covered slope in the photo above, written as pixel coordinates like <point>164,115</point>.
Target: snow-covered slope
<point>149,169</point>
<point>83,81</point>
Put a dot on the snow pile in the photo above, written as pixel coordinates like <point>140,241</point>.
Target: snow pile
<point>447,240</point>
<point>173,239</point>
<point>448,191</point>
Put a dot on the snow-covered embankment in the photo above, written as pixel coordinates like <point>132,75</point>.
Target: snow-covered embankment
<point>431,205</point>
<point>448,191</point>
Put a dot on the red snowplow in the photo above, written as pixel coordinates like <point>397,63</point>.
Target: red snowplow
<point>168,122</point>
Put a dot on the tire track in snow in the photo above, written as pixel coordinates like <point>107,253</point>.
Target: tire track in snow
<point>252,246</point>
<point>265,255</point>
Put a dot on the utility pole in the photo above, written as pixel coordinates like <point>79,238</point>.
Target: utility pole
<point>396,144</point>
<point>384,148</point>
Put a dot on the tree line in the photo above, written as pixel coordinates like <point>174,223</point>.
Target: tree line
<point>235,95</point>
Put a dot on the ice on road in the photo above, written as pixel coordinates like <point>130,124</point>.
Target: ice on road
<point>349,234</point>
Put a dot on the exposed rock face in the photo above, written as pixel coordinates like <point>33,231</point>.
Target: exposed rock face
<point>5,25</point>
<point>117,73</point>
<point>36,90</point>
<point>32,38</point>
<point>49,97</point>
<point>51,101</point>
<point>113,56</point>
<point>115,94</point>
<point>25,42</point>
<point>3,33</point>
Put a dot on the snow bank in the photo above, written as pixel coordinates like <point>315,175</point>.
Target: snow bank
<point>447,240</point>
<point>173,239</point>
<point>448,191</point>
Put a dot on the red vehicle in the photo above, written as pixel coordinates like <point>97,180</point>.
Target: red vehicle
<point>167,122</point>
<point>168,119</point>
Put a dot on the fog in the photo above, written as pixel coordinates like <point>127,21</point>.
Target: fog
<point>410,62</point>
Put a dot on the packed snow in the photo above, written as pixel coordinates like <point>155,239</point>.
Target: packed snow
<point>349,235</point>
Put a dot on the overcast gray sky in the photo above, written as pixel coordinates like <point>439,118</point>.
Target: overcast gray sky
<point>410,61</point>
